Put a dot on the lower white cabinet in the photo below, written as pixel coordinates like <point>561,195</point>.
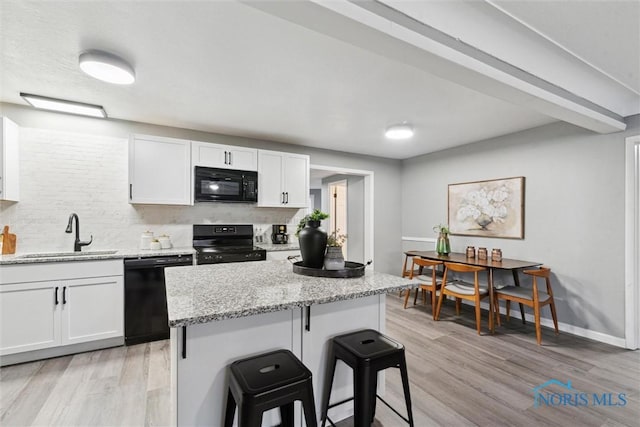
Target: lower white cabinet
<point>64,309</point>
<point>93,309</point>
<point>29,317</point>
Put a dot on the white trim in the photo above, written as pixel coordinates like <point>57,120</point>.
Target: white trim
<point>419,239</point>
<point>632,245</point>
<point>368,204</point>
<point>562,327</point>
<point>570,329</point>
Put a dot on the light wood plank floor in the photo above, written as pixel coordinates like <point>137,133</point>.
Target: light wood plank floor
<point>457,379</point>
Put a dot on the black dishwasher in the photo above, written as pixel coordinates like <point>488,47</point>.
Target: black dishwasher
<point>145,299</point>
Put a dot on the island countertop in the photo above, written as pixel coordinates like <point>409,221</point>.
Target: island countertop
<point>206,293</point>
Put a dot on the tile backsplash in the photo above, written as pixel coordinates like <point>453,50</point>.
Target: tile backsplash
<point>63,172</point>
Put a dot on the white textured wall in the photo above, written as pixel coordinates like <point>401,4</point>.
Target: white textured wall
<point>387,174</point>
<point>64,172</point>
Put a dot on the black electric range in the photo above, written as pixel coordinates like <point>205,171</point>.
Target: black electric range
<point>218,243</point>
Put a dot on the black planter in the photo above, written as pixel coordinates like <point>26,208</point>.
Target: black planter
<point>313,243</point>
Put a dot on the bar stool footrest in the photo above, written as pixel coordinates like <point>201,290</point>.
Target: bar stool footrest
<point>333,405</point>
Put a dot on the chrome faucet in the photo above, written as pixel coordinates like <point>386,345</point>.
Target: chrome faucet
<point>77,245</point>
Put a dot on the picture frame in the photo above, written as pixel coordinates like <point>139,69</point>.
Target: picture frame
<point>490,208</point>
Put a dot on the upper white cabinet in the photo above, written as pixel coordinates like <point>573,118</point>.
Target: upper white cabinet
<point>224,156</point>
<point>283,179</point>
<point>159,170</point>
<point>9,161</point>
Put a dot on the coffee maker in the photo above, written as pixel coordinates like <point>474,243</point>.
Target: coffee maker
<point>279,234</point>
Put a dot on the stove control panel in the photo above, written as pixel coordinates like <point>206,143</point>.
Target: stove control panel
<point>218,258</point>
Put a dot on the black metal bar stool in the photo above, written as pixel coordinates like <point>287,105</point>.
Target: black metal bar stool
<point>266,381</point>
<point>367,352</point>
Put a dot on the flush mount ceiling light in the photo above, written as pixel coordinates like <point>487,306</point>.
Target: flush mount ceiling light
<point>107,67</point>
<point>64,106</point>
<point>399,131</point>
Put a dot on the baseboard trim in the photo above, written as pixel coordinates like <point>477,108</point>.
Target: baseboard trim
<point>563,327</point>
<point>47,353</point>
<point>571,329</point>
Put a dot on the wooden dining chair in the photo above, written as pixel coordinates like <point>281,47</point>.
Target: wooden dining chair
<point>407,273</point>
<point>534,297</point>
<point>428,275</point>
<point>462,290</point>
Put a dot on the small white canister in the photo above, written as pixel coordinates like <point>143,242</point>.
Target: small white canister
<point>145,240</point>
<point>155,245</point>
<point>165,241</point>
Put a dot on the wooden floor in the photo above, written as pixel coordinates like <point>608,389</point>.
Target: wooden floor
<point>457,379</point>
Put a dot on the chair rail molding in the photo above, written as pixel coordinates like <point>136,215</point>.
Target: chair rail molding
<point>632,242</point>
<point>419,239</point>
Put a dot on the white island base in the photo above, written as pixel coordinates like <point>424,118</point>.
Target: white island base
<point>199,381</point>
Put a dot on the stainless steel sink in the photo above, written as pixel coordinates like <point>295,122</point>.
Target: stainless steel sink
<point>67,254</point>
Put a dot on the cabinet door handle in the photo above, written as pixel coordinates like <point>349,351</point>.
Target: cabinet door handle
<point>55,292</point>
<point>307,326</point>
<point>287,195</point>
<point>64,295</point>
<point>282,199</point>
<point>230,158</point>
<point>130,191</point>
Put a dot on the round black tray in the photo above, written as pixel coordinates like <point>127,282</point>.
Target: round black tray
<point>351,269</point>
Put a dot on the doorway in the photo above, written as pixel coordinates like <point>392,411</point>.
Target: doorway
<point>632,243</point>
<point>354,204</point>
<point>338,224</point>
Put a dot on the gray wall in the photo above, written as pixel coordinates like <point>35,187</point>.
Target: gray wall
<point>574,211</point>
<point>387,172</point>
<point>317,200</point>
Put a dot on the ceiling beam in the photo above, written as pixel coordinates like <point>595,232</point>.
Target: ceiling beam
<point>379,28</point>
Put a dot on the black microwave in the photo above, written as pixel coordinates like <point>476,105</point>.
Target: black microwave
<point>225,185</point>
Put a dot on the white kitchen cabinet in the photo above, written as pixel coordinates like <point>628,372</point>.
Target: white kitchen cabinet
<point>9,161</point>
<point>224,156</point>
<point>92,309</point>
<point>159,170</point>
<point>78,302</point>
<point>283,179</point>
<point>29,317</point>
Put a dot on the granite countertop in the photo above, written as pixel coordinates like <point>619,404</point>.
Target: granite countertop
<point>270,247</point>
<point>90,255</point>
<point>213,292</point>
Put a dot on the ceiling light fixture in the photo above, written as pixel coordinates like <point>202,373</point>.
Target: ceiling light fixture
<point>399,131</point>
<point>107,67</point>
<point>64,106</point>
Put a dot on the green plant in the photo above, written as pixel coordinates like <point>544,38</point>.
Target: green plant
<point>441,228</point>
<point>316,215</point>
<point>336,239</point>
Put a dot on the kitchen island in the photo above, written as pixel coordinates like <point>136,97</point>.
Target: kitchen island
<point>222,312</point>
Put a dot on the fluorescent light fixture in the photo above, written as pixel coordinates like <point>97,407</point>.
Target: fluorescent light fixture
<point>107,67</point>
<point>64,106</point>
<point>399,131</point>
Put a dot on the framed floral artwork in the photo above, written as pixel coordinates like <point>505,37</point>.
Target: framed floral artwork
<point>493,208</point>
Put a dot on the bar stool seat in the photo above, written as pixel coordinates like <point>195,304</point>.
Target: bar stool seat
<point>266,381</point>
<point>367,352</point>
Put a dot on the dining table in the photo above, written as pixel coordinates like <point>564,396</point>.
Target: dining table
<point>513,265</point>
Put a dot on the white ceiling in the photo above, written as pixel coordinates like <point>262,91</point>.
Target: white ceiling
<point>309,74</point>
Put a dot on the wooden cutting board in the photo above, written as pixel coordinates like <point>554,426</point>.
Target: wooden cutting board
<point>8,241</point>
